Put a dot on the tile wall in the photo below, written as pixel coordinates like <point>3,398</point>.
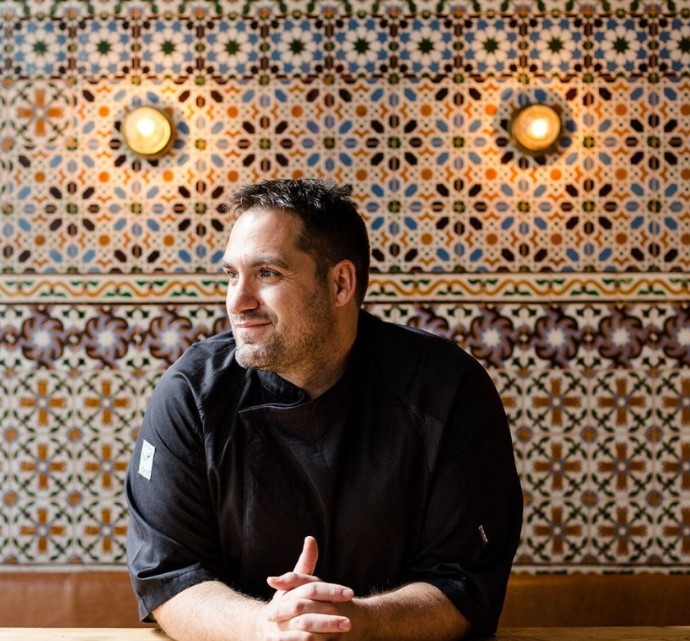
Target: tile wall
<point>567,276</point>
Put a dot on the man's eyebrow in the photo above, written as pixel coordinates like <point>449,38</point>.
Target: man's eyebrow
<point>259,261</point>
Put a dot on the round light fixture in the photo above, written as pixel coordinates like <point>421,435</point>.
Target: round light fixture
<point>148,132</point>
<point>535,129</point>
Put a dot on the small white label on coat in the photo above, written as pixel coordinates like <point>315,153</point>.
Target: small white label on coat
<point>146,459</point>
<point>482,533</point>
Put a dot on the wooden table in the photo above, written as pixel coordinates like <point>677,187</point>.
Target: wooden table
<point>82,634</point>
<point>507,634</point>
<point>594,634</point>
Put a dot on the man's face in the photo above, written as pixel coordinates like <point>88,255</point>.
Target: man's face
<point>281,314</point>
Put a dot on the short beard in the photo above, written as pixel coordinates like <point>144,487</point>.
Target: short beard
<point>278,357</point>
<point>263,357</point>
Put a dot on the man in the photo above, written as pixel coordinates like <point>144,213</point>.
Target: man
<point>317,473</point>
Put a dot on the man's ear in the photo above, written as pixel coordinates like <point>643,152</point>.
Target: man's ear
<point>344,279</point>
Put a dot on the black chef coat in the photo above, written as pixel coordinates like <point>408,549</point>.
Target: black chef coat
<point>403,471</point>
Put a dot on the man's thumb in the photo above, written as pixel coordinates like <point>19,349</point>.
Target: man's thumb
<point>306,564</point>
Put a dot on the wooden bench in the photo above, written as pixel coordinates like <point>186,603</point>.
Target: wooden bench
<point>105,599</point>
<point>67,599</point>
<point>578,600</point>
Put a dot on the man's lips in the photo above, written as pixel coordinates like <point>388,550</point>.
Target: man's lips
<point>254,324</point>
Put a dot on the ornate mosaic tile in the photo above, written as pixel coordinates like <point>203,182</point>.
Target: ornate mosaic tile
<point>555,534</point>
<point>460,224</point>
<point>621,402</point>
<point>565,275</point>
<point>42,532</point>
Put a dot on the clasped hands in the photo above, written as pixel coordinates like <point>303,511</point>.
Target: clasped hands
<point>304,607</point>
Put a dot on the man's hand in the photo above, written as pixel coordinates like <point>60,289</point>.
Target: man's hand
<point>304,607</point>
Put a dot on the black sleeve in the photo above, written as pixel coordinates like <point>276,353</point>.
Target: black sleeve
<point>172,533</point>
<point>474,514</point>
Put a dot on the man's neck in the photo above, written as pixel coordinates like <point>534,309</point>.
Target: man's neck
<point>320,377</point>
<point>322,374</point>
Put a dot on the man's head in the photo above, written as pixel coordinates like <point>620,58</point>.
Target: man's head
<point>332,230</point>
<point>293,287</point>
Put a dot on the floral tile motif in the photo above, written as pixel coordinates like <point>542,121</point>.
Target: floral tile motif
<point>490,46</point>
<point>426,47</point>
<point>554,533</point>
<point>623,466</point>
<point>586,442</point>
<point>564,275</point>
<point>42,531</point>
<point>43,401</point>
<point>104,48</point>
<point>361,46</point>
<point>296,46</point>
<point>675,465</point>
<point>166,48</point>
<point>624,533</point>
<point>480,217</point>
<point>39,49</point>
<point>102,466</point>
<point>100,532</point>
<point>556,46</point>
<point>39,112</point>
<point>231,48</point>
<point>621,46</point>
<point>106,407</point>
<point>556,400</point>
<point>63,486</point>
<point>557,466</point>
<point>674,45</point>
<point>42,468</point>
<point>621,401</point>
<point>674,543</point>
<point>673,401</point>
<point>618,337</point>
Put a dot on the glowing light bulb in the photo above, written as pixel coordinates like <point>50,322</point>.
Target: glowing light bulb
<point>148,132</point>
<point>536,128</point>
<point>146,127</point>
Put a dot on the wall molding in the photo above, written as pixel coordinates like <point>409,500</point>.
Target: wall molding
<point>22,289</point>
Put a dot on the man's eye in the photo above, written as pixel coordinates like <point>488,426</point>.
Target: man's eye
<point>231,275</point>
<point>268,273</point>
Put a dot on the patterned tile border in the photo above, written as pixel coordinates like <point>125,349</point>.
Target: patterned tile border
<point>210,288</point>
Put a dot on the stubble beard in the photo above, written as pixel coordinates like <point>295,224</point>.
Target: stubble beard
<point>281,357</point>
<point>263,356</point>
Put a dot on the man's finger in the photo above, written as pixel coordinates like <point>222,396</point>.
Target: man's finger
<point>290,581</point>
<point>299,634</point>
<point>319,623</point>
<point>287,609</point>
<point>306,564</point>
<point>317,591</point>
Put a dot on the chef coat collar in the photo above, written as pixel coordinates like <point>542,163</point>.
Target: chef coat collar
<point>285,391</point>
<point>289,394</point>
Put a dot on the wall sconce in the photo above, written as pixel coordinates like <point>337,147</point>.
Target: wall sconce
<point>148,132</point>
<point>535,129</point>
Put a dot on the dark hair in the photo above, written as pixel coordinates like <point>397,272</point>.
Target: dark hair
<point>332,230</point>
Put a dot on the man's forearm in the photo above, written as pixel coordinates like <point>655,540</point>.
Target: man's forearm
<point>210,611</point>
<point>415,612</point>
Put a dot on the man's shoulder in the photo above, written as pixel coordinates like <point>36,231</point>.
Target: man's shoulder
<point>420,368</point>
<point>205,365</point>
<point>217,346</point>
<point>401,344</point>
<point>432,378</point>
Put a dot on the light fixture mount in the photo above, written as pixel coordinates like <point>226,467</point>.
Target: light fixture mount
<point>148,132</point>
<point>536,128</point>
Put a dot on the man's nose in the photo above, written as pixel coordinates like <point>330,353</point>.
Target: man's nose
<point>241,296</point>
